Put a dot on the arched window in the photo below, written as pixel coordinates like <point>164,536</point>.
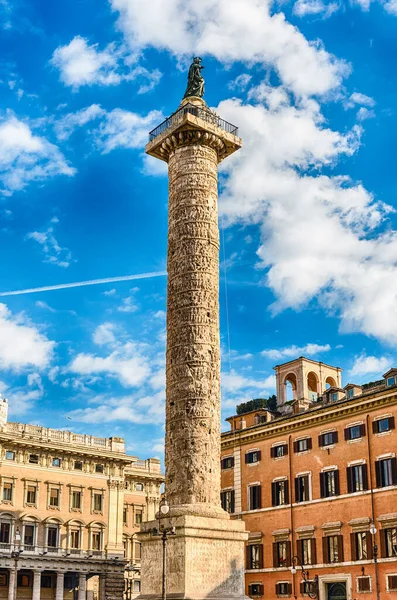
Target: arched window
<point>330,382</point>
<point>290,387</point>
<point>312,386</point>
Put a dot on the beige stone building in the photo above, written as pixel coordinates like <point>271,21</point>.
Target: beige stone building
<point>70,508</point>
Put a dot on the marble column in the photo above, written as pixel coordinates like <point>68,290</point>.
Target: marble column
<point>101,586</point>
<point>12,584</point>
<point>60,586</point>
<point>36,585</point>
<point>82,586</point>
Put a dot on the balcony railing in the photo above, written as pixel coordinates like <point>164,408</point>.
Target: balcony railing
<point>197,111</point>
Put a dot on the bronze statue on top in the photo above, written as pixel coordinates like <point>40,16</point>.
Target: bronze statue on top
<point>195,81</point>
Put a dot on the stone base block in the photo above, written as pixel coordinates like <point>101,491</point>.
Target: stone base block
<point>205,559</point>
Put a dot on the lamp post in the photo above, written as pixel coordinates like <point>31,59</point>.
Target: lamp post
<point>312,590</point>
<point>15,555</point>
<point>164,509</point>
<point>373,531</point>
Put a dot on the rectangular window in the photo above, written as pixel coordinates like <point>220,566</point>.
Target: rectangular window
<point>302,488</point>
<point>383,425</point>
<point>54,497</point>
<point>34,459</point>
<point>282,554</point>
<point>355,432</point>
<point>227,463</point>
<point>31,494</point>
<point>279,451</point>
<point>392,583</point>
<point>386,472</point>
<point>329,484</point>
<point>5,533</point>
<point>78,465</point>
<point>255,589</point>
<point>52,537</point>
<point>28,536</point>
<point>254,492</point>
<point>328,439</point>
<point>46,581</point>
<point>125,515</point>
<point>98,502</point>
<point>7,492</point>
<point>389,542</point>
<point>333,549</point>
<point>3,579</point>
<point>227,500</point>
<point>76,499</point>
<point>334,396</point>
<point>364,584</point>
<point>98,468</point>
<point>56,462</point>
<point>283,588</point>
<point>280,492</point>
<point>303,445</point>
<point>137,551</point>
<point>137,585</point>
<point>254,556</point>
<point>138,517</point>
<point>139,487</point>
<point>305,551</point>
<point>350,393</point>
<point>252,457</point>
<point>357,478</point>
<point>361,545</point>
<point>10,455</point>
<point>390,381</point>
<point>75,539</point>
<point>23,580</point>
<point>97,541</point>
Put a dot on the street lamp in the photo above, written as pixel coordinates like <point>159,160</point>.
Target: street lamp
<point>15,555</point>
<point>312,590</point>
<point>373,531</point>
<point>164,509</point>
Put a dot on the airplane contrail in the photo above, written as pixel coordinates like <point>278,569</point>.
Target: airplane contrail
<point>64,286</point>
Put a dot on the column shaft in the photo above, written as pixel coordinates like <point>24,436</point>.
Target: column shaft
<point>60,586</point>
<point>36,585</point>
<point>193,346</point>
<point>12,584</point>
<point>82,586</point>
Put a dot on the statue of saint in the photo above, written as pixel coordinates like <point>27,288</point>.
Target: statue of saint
<point>195,81</point>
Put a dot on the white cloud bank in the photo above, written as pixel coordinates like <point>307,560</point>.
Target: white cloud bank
<point>295,351</point>
<point>370,365</point>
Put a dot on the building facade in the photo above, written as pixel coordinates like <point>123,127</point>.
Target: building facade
<point>316,484</point>
<point>70,508</point>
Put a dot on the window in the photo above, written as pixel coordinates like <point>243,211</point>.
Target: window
<point>252,457</point>
<point>137,585</point>
<point>280,492</point>
<point>283,588</point>
<point>306,551</point>
<point>54,497</point>
<point>350,393</point>
<point>10,455</point>
<point>23,580</point>
<point>3,579</point>
<point>282,554</point>
<point>76,500</point>
<point>386,472</point>
<point>329,484</point>
<point>98,468</point>
<point>52,537</point>
<point>361,545</point>
<point>254,556</point>
<point>383,425</point>
<point>34,459</point>
<point>137,551</point>
<point>334,396</point>
<point>56,462</point>
<point>227,463</point>
<point>392,583</point>
<point>75,539</point>
<point>355,432</point>
<point>302,488</point>
<point>138,517</point>
<point>328,439</point>
<point>388,540</point>
<point>78,465</point>
<point>357,478</point>
<point>31,494</point>
<point>7,492</point>
<point>46,581</point>
<point>254,497</point>
<point>5,533</point>
<point>125,515</point>
<point>255,589</point>
<point>97,502</point>
<point>97,540</point>
<point>28,535</point>
<point>279,451</point>
<point>390,381</point>
<point>227,500</point>
<point>364,584</point>
<point>333,549</point>
<point>303,445</point>
<point>139,487</point>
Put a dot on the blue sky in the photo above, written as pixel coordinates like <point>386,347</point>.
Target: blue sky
<point>307,207</point>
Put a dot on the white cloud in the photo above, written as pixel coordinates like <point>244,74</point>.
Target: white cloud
<point>54,254</point>
<point>363,114</point>
<point>104,334</point>
<point>80,63</point>
<point>45,306</point>
<point>302,8</point>
<point>369,365</point>
<point>22,345</point>
<point>65,126</point>
<point>232,30</point>
<point>125,129</point>
<point>25,157</point>
<point>233,382</point>
<point>296,351</point>
<point>362,99</point>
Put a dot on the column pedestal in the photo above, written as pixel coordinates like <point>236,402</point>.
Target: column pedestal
<point>205,559</point>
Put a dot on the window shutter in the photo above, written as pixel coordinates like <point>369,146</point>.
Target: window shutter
<point>337,483</point>
<point>296,447</point>
<point>314,551</point>
<point>309,443</point>
<point>232,501</point>
<point>258,496</point>
<point>347,433</point>
<point>248,557</point>
<point>258,453</point>
<point>378,473</point>
<point>321,440</point>
<point>365,477</point>
<point>392,582</point>
<point>382,535</point>
<point>349,477</point>
<point>362,430</point>
<point>353,546</point>
<point>302,588</point>
<point>363,584</point>
<point>260,556</point>
<point>277,589</point>
<point>334,437</point>
<point>272,452</point>
<point>340,548</point>
<point>274,493</point>
<point>286,488</point>
<point>375,427</point>
<point>322,485</point>
<point>285,446</point>
<point>247,458</point>
<point>370,549</point>
<point>275,558</point>
<point>297,498</point>
<point>261,589</point>
<point>289,563</point>
<point>391,423</point>
<point>394,470</point>
<point>325,550</point>
<point>289,588</point>
<point>299,550</point>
